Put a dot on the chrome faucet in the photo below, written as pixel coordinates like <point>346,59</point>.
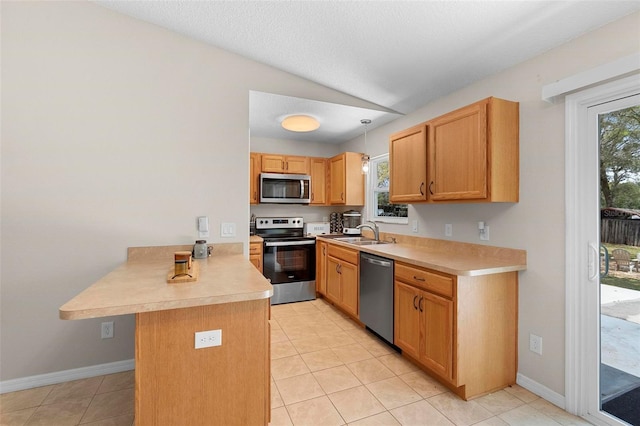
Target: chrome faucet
<point>374,228</point>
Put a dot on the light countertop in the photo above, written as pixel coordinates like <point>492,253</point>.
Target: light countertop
<point>450,257</point>
<point>141,286</point>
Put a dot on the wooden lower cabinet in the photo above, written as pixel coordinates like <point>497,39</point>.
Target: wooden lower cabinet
<point>255,255</point>
<point>177,384</point>
<point>321,267</point>
<point>343,278</point>
<point>461,329</point>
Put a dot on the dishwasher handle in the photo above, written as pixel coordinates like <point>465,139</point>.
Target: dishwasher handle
<point>383,263</point>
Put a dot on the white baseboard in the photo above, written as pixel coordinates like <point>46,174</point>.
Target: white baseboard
<point>542,391</point>
<point>65,376</point>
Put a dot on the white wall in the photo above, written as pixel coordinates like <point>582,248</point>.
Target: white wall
<point>536,223</point>
<point>115,133</point>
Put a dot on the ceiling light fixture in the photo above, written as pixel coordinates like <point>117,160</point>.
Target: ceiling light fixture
<point>300,123</point>
<point>365,156</point>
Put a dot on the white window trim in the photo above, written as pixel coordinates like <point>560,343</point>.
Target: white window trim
<point>369,197</point>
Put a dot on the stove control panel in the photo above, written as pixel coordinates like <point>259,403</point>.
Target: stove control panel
<point>279,222</point>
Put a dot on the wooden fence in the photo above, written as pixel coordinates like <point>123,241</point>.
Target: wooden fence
<point>620,231</point>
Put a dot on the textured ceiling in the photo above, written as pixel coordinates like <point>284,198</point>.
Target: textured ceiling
<point>396,54</point>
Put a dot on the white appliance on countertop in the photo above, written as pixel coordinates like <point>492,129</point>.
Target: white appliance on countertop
<point>317,228</point>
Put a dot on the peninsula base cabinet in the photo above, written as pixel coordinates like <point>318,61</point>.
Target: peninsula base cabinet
<point>229,384</point>
<point>462,329</point>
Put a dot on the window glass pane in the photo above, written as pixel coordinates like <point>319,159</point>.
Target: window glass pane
<point>382,169</point>
<point>383,208</point>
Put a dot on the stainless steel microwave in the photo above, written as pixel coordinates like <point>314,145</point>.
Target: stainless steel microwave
<point>285,188</point>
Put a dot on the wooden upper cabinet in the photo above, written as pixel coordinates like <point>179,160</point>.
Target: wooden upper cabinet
<point>318,174</point>
<point>474,153</point>
<point>272,163</point>
<point>408,165</point>
<point>346,180</point>
<point>254,177</point>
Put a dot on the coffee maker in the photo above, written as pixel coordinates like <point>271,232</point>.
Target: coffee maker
<point>350,220</point>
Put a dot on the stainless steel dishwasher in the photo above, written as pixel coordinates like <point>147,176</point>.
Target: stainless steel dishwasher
<point>376,294</point>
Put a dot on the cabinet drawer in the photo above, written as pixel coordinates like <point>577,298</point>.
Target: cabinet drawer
<point>255,248</point>
<point>345,254</point>
<point>431,281</point>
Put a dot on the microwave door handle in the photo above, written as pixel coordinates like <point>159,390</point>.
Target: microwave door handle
<point>301,188</point>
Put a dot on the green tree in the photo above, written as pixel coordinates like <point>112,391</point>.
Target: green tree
<point>619,153</point>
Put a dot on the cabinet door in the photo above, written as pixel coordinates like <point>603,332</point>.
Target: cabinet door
<point>256,260</point>
<point>337,180</point>
<point>321,268</point>
<point>349,288</point>
<point>272,163</point>
<point>408,165</point>
<point>436,345</point>
<point>318,181</point>
<point>297,165</point>
<point>407,319</point>
<point>333,279</point>
<point>458,154</point>
<point>255,167</point>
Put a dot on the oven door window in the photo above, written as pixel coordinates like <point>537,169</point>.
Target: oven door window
<point>286,264</point>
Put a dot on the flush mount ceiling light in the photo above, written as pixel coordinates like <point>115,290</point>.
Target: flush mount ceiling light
<point>365,156</point>
<point>300,123</point>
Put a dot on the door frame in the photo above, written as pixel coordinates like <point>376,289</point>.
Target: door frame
<point>582,248</point>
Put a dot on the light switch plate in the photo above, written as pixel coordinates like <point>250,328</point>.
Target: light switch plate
<point>228,230</point>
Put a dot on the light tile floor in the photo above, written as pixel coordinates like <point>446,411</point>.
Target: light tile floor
<point>326,370</point>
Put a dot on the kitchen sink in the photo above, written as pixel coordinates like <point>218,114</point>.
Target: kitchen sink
<point>368,242</point>
<point>360,241</point>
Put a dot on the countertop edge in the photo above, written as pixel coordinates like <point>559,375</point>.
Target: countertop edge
<point>162,306</point>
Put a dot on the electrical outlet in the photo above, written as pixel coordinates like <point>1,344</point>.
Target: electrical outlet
<point>107,330</point>
<point>535,344</point>
<point>448,230</point>
<point>484,234</point>
<point>206,339</point>
<point>414,226</point>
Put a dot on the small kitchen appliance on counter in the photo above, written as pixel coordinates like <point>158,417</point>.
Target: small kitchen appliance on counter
<point>316,228</point>
<point>351,219</point>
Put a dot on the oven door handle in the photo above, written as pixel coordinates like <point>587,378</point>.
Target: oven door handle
<point>289,243</point>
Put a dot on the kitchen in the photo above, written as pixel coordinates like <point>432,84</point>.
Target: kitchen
<point>119,165</point>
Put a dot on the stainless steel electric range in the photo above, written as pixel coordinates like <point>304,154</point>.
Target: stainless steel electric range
<point>289,258</point>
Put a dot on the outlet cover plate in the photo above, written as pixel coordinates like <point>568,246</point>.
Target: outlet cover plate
<point>106,330</point>
<point>207,339</point>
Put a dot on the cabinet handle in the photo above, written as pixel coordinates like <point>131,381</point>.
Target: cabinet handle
<point>430,190</point>
<point>418,278</point>
<point>420,304</point>
<point>342,196</point>
<point>255,196</point>
<point>414,302</point>
<point>286,165</point>
<point>324,250</point>
<point>421,188</point>
<point>312,197</point>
